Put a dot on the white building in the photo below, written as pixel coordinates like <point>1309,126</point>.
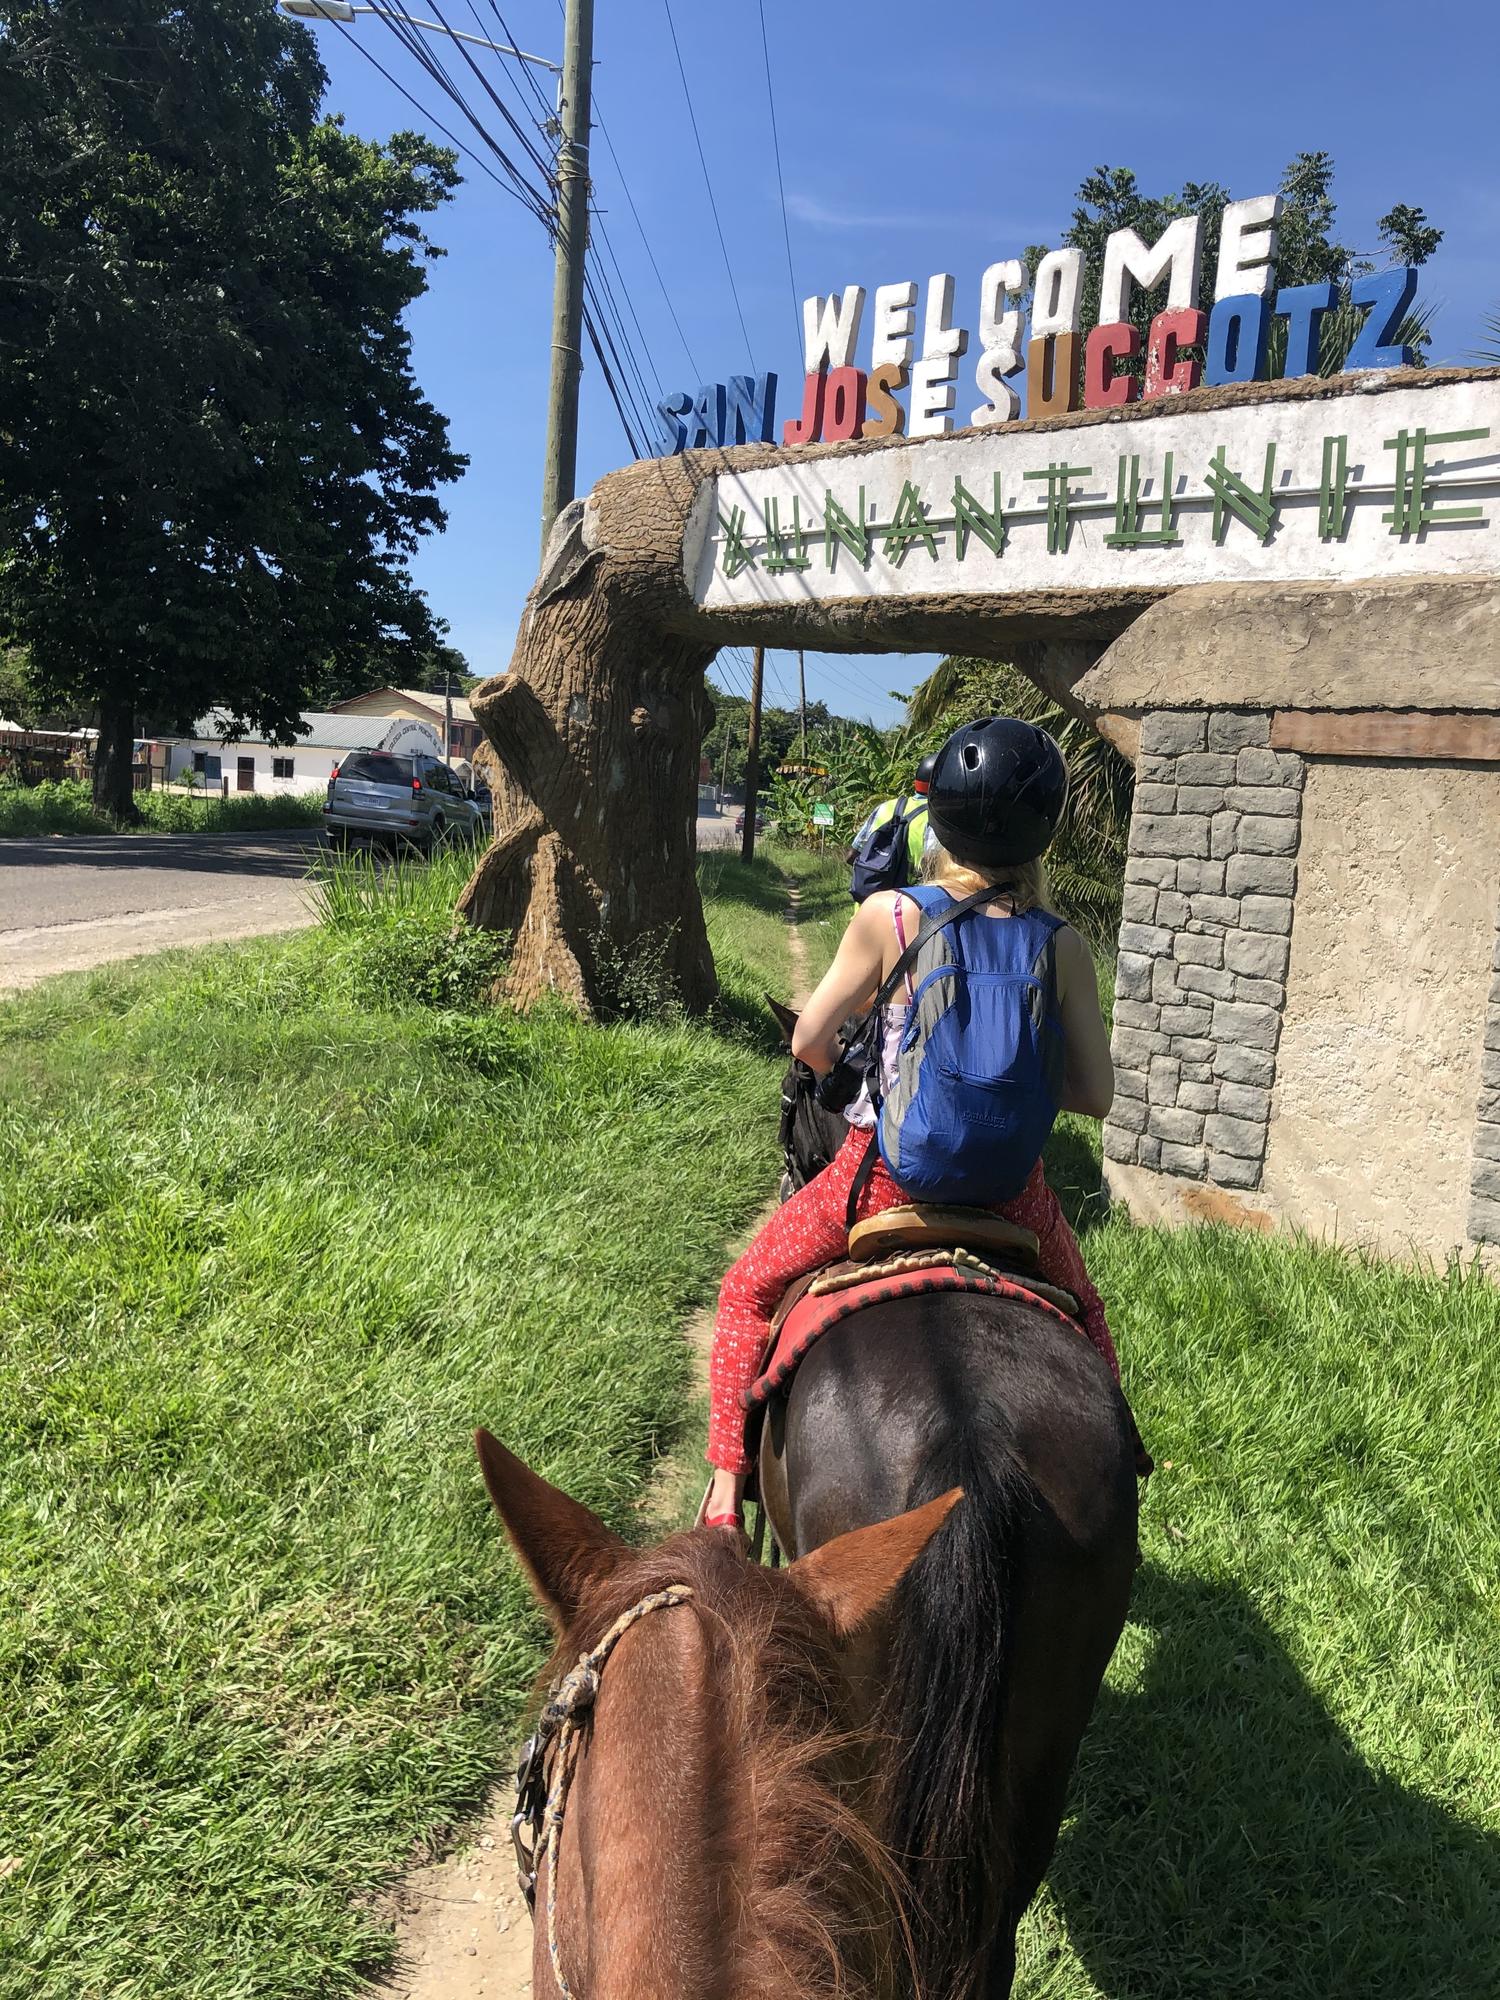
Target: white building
<point>252,763</point>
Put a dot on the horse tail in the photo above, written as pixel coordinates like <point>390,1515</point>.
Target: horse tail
<point>944,1703</point>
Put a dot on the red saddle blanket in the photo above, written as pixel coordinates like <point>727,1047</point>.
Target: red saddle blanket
<point>809,1317</point>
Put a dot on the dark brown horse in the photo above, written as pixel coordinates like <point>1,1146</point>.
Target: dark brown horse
<point>1000,1634</point>
<point>715,1841</point>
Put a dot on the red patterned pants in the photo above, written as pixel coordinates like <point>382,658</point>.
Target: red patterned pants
<point>809,1231</point>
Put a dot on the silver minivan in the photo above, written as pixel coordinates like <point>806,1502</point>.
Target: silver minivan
<point>415,799</point>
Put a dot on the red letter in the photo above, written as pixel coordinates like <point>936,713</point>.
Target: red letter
<point>1169,373</point>
<point>804,429</point>
<point>1102,387</point>
<point>843,404</point>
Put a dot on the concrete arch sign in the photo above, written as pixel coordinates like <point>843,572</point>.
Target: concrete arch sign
<point>1041,542</point>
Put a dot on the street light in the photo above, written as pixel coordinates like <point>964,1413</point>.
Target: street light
<point>571,174</point>
<point>345,10</point>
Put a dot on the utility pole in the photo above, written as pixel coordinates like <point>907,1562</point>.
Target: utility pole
<point>724,763</point>
<point>447,713</point>
<point>752,758</point>
<point>802,706</point>
<point>574,113</point>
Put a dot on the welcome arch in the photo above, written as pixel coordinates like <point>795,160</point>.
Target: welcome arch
<point>1241,584</point>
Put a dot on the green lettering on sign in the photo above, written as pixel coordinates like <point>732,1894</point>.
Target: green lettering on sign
<point>1410,513</point>
<point>838,527</point>
<point>1333,510</point>
<point>970,518</point>
<point>1233,496</point>
<point>777,558</point>
<point>734,556</point>
<point>909,524</point>
<point>1129,534</point>
<point>1059,478</point>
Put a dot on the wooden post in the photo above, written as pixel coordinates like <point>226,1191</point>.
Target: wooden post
<point>802,706</point>
<point>752,758</point>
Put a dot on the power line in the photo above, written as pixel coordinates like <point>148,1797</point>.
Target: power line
<point>786,234</point>
<point>646,244</point>
<point>703,162</point>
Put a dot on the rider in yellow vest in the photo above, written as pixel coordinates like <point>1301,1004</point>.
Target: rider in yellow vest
<point>914,810</point>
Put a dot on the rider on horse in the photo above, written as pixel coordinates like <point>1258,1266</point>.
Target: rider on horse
<point>997,794</point>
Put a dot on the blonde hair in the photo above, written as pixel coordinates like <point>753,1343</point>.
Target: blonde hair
<point>1026,881</point>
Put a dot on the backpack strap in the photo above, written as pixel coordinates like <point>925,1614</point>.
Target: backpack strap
<point>934,919</point>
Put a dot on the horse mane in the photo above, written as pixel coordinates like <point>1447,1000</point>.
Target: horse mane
<point>819,1909</point>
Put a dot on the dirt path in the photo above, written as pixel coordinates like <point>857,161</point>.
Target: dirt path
<point>462,1928</point>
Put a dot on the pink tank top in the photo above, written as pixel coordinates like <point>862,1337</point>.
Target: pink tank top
<point>860,1112</point>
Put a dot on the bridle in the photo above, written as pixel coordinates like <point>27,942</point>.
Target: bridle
<point>540,1801</point>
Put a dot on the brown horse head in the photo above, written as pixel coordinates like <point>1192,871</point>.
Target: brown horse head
<point>716,1840</point>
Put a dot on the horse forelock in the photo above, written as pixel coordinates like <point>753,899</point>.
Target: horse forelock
<point>813,1898</point>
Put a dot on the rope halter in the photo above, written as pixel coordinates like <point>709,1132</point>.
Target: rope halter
<point>538,1817</point>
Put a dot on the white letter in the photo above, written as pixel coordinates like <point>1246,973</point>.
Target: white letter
<point>1247,247</point>
<point>1126,257</point>
<point>931,397</point>
<point>939,336</point>
<point>1000,338</point>
<point>830,328</point>
<point>1056,294</point>
<point>895,316</point>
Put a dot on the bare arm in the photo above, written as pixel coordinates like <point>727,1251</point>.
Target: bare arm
<point>847,987</point>
<point>1089,1074</point>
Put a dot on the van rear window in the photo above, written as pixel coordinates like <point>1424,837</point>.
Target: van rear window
<point>377,767</point>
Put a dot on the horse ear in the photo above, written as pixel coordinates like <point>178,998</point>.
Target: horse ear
<point>562,1546</point>
<point>786,1018</point>
<point>848,1579</point>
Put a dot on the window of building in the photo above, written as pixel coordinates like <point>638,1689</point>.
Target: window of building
<point>283,767</point>
<point>200,760</point>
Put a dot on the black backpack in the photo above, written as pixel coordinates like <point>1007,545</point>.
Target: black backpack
<point>884,861</point>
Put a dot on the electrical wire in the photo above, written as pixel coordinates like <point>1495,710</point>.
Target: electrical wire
<point>786,234</point>
<point>707,182</point>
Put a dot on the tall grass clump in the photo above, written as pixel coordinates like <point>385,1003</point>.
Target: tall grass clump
<point>393,936</point>
<point>62,806</point>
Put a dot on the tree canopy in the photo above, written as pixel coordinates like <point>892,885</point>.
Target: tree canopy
<point>779,731</point>
<point>1308,251</point>
<point>215,461</point>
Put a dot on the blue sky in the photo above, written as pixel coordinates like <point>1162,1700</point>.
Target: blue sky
<point>912,141</point>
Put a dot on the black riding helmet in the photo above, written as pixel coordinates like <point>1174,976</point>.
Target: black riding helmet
<point>997,792</point>
<point>925,769</point>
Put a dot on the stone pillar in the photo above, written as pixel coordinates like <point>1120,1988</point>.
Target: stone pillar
<point>1201,978</point>
<point>1484,1172</point>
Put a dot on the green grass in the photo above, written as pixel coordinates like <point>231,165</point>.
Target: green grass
<point>272,1237</point>
<point>66,806</point>
<point>268,1250</point>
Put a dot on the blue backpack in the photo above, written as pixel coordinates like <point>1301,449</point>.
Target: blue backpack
<point>980,1068</point>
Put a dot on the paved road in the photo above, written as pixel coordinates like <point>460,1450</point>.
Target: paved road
<point>79,900</point>
<point>72,901</point>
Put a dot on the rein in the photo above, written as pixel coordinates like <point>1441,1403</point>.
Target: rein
<point>539,1806</point>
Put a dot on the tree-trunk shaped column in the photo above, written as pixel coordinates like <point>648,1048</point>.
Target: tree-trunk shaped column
<point>597,729</point>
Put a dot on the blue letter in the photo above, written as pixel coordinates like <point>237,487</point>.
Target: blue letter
<point>1388,294</point>
<point>1303,307</point>
<point>1237,333</point>
<point>672,409</point>
<point>752,409</point>
<point>707,423</point>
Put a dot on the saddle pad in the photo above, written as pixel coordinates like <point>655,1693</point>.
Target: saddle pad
<point>933,1226</point>
<point>810,1316</point>
<point>838,1277</point>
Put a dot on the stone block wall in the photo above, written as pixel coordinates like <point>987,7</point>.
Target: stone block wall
<point>1205,941</point>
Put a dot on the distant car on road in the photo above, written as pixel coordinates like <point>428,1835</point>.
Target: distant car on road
<point>760,822</point>
<point>415,800</point>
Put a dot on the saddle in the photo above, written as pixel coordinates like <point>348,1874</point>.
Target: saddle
<point>902,1253</point>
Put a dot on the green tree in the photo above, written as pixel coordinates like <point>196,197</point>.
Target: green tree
<point>215,461</point>
<point>1308,252</point>
<point>779,732</point>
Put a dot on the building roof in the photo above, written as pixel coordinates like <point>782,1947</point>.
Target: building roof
<point>324,730</point>
<point>420,698</point>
